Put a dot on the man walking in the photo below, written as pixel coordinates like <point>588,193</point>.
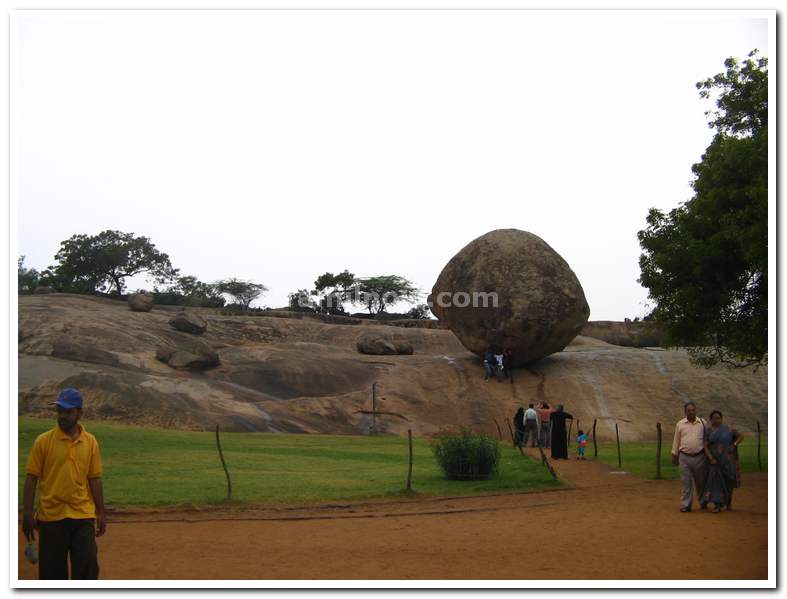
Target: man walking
<point>688,453</point>
<point>70,512</point>
<point>531,427</point>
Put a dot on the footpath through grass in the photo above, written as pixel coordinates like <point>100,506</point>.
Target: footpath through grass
<point>640,458</point>
<point>158,467</point>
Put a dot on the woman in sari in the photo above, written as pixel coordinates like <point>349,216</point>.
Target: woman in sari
<point>721,443</point>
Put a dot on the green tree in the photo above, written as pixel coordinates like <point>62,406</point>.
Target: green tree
<point>377,293</point>
<point>28,278</point>
<point>243,292</point>
<point>705,263</point>
<point>89,263</point>
<point>301,301</point>
<point>334,290</point>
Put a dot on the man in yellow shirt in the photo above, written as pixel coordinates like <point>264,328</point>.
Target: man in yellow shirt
<point>688,452</point>
<point>70,512</point>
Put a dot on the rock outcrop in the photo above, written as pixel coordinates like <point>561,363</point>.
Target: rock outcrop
<point>189,322</point>
<point>279,374</point>
<point>43,290</point>
<point>140,302</point>
<point>380,344</point>
<point>189,355</point>
<point>540,305</point>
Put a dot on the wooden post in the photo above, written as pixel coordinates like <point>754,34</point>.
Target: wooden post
<point>568,434</point>
<point>499,432</point>
<point>410,465</point>
<point>658,450</point>
<point>759,459</point>
<point>595,446</point>
<point>374,407</point>
<point>617,434</point>
<point>543,460</point>
<point>224,465</point>
<point>510,430</point>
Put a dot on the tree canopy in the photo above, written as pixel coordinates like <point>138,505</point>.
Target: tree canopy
<point>243,292</point>
<point>90,263</point>
<point>377,293</point>
<point>705,263</point>
<point>334,290</point>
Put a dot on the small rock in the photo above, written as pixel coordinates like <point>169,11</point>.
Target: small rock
<point>140,302</point>
<point>189,322</point>
<point>43,290</point>
<point>192,355</point>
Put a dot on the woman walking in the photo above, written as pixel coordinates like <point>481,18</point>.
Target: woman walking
<point>721,443</point>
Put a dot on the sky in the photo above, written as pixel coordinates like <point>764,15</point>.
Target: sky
<point>276,145</point>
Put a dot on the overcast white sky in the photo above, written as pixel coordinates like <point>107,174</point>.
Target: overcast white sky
<point>277,145</point>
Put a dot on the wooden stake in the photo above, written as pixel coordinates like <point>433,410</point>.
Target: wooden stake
<point>224,465</point>
<point>410,466</point>
<point>568,435</point>
<point>658,450</point>
<point>595,446</point>
<point>759,459</point>
<point>617,434</point>
<point>499,432</point>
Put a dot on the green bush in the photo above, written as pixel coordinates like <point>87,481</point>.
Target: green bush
<point>465,455</point>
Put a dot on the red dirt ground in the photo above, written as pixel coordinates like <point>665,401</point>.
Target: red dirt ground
<point>605,526</point>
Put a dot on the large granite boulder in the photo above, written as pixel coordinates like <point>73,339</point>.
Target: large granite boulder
<point>189,322</point>
<point>188,355</point>
<point>540,304</point>
<point>379,344</point>
<point>140,302</point>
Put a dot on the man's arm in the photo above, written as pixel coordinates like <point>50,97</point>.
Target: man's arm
<point>28,522</point>
<point>97,490</point>
<point>676,445</point>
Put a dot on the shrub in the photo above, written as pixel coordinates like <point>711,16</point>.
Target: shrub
<point>465,455</point>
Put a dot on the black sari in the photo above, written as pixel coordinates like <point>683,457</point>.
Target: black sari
<point>559,440</point>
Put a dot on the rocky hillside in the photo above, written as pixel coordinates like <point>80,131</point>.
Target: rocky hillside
<point>303,375</point>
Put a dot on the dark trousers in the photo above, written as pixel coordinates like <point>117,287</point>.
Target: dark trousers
<point>66,538</point>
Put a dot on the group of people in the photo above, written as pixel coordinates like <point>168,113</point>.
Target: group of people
<point>546,427</point>
<point>499,364</point>
<point>706,455</point>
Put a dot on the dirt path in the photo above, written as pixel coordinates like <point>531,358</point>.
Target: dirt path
<point>607,525</point>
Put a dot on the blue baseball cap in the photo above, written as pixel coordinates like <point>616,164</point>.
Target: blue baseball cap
<point>69,399</point>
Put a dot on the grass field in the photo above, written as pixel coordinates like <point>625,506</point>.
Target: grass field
<point>640,458</point>
<point>157,467</point>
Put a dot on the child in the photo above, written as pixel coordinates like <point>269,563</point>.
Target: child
<point>582,441</point>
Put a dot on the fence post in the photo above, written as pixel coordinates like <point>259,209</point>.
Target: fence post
<point>568,434</point>
<point>617,434</point>
<point>227,472</point>
<point>658,450</point>
<point>759,459</point>
<point>595,447</point>
<point>410,465</point>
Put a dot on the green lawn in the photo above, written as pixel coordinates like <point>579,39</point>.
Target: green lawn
<point>156,467</point>
<point>640,458</point>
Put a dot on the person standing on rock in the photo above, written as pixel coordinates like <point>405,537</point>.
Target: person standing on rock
<point>489,363</point>
<point>545,431</point>
<point>559,440</point>
<point>531,426</point>
<point>499,366</point>
<point>688,452</point>
<point>70,515</point>
<point>508,365</point>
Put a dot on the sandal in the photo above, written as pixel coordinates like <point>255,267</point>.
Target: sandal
<point>716,509</point>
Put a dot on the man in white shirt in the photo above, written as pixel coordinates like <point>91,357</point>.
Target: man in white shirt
<point>531,426</point>
<point>688,453</point>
